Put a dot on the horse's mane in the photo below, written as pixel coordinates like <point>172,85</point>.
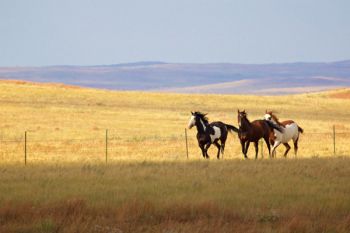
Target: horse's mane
<point>246,117</point>
<point>203,117</point>
<point>275,118</point>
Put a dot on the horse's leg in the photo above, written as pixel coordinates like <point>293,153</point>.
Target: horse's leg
<point>287,149</point>
<point>223,141</point>
<point>256,145</point>
<point>222,149</point>
<point>206,147</point>
<point>243,147</point>
<point>272,142</point>
<point>267,141</point>
<point>219,148</point>
<point>246,149</point>
<point>203,151</point>
<point>271,138</point>
<point>296,147</point>
<point>277,143</point>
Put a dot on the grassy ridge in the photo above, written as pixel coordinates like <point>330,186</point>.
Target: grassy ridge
<point>309,195</point>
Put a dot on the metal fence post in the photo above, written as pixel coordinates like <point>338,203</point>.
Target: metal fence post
<point>334,140</point>
<point>25,148</point>
<point>106,145</point>
<point>186,143</point>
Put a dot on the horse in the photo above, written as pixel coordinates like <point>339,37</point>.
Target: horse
<point>253,131</point>
<point>212,133</point>
<point>291,132</point>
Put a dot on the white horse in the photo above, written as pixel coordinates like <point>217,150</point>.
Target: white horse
<point>291,132</point>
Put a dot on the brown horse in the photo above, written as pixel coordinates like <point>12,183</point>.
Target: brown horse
<point>253,131</point>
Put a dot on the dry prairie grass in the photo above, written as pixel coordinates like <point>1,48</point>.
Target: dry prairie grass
<point>66,125</point>
<point>309,195</point>
<point>148,184</point>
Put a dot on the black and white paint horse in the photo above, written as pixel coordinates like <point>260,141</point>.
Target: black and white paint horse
<point>212,133</point>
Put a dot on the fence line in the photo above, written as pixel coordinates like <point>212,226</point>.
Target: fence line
<point>114,145</point>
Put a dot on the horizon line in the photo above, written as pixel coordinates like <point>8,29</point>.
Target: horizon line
<point>153,62</point>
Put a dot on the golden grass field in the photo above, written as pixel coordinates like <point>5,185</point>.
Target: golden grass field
<point>148,184</point>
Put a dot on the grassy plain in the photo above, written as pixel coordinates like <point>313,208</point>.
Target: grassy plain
<point>303,195</point>
<point>148,184</point>
<point>67,124</point>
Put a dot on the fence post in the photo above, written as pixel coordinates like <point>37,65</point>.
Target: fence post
<point>106,145</point>
<point>186,143</point>
<point>262,148</point>
<point>334,140</point>
<point>25,148</point>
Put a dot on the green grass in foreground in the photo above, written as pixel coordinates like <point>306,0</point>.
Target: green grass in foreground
<point>303,195</point>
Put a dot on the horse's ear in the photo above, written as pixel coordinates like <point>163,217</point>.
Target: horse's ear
<point>237,110</point>
<point>192,113</point>
<point>266,111</point>
<point>244,110</point>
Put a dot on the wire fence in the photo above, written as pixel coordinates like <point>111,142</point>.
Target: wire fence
<point>111,145</point>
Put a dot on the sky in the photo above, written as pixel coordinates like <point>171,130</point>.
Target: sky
<point>97,32</point>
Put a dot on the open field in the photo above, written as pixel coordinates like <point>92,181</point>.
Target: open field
<point>148,184</point>
<point>304,195</point>
<point>67,124</point>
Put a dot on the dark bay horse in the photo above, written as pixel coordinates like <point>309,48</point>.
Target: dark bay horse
<point>212,133</point>
<point>253,131</point>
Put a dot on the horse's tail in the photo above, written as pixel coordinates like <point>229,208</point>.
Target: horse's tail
<point>300,129</point>
<point>274,126</point>
<point>231,128</point>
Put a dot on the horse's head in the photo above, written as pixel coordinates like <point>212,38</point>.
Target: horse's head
<point>269,116</point>
<point>241,115</point>
<point>196,117</point>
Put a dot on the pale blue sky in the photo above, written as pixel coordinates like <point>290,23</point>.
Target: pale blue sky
<point>83,32</point>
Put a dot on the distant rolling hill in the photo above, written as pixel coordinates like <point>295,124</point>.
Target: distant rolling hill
<point>220,78</point>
